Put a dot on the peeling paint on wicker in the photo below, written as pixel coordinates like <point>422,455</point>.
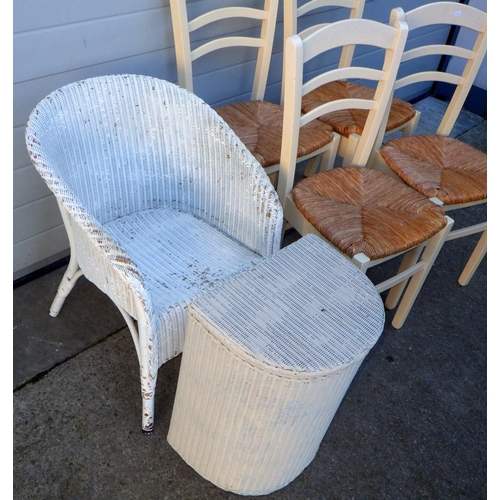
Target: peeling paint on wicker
<point>268,359</point>
<point>160,199</point>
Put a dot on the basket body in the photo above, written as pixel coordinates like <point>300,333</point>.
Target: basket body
<point>267,361</point>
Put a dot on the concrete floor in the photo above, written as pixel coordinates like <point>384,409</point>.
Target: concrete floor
<point>412,424</point>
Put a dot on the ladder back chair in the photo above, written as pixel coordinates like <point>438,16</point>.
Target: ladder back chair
<point>347,123</point>
<point>153,191</point>
<point>257,122</point>
<point>437,165</point>
<point>365,214</point>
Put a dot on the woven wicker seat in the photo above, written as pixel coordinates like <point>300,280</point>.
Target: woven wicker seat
<point>153,188</point>
<point>258,123</point>
<point>360,210</point>
<point>368,215</point>
<point>352,121</point>
<point>439,166</point>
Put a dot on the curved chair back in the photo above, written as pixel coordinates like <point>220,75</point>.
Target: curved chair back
<point>133,143</point>
<point>299,51</point>
<point>452,14</point>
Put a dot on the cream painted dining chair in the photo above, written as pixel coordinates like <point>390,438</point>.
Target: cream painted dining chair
<point>300,18</point>
<point>437,165</point>
<point>365,214</point>
<point>258,123</point>
<point>153,189</point>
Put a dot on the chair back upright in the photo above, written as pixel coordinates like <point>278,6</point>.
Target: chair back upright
<point>294,14</point>
<point>453,14</point>
<point>391,38</point>
<point>186,54</point>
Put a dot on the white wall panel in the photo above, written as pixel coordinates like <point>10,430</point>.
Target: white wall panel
<point>33,253</point>
<point>36,217</point>
<point>68,47</point>
<point>28,186</point>
<point>32,15</point>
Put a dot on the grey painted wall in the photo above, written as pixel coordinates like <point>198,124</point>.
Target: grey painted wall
<point>59,42</point>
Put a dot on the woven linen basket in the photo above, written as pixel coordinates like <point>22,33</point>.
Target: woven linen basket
<point>267,360</point>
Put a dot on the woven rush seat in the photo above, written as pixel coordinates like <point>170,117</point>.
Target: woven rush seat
<point>362,210</point>
<point>259,124</point>
<point>439,166</point>
<point>352,121</point>
<point>268,358</point>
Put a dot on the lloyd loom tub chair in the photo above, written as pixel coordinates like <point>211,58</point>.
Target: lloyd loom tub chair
<point>161,201</point>
<point>440,166</point>
<point>258,123</point>
<point>365,214</point>
<point>299,18</point>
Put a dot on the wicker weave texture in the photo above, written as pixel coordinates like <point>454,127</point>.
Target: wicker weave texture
<point>178,269</point>
<point>268,358</point>
<point>163,198</point>
<point>439,166</point>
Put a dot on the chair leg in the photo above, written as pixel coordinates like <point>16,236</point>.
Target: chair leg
<point>328,157</point>
<point>148,411</point>
<point>148,389</point>
<point>350,146</point>
<point>409,259</point>
<point>474,261</point>
<point>312,166</point>
<point>411,127</point>
<point>429,255</point>
<point>73,272</point>
<point>148,360</point>
<point>324,161</point>
<point>148,368</point>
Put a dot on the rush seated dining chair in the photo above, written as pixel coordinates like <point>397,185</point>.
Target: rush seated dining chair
<point>301,18</point>
<point>160,199</point>
<point>257,122</point>
<point>437,165</point>
<point>365,214</point>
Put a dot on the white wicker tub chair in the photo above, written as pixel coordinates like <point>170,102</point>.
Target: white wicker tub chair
<point>160,199</point>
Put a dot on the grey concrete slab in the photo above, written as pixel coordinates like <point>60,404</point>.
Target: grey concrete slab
<point>476,136</point>
<point>412,425</point>
<point>432,110</point>
<point>41,342</point>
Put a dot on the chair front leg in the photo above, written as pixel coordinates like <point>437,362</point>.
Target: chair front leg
<point>474,261</point>
<point>410,259</point>
<point>429,255</point>
<point>73,272</point>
